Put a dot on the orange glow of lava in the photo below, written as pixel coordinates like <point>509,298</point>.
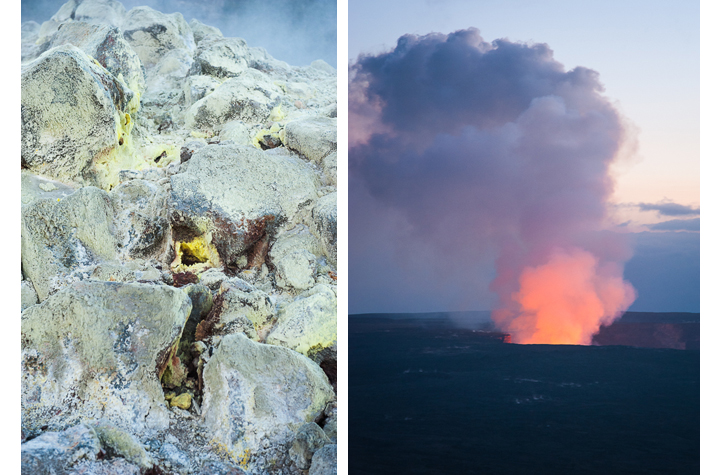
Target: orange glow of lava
<point>565,300</point>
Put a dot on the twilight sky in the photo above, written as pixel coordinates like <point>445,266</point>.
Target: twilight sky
<point>504,143</point>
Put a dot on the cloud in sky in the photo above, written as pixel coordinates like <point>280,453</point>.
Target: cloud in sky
<point>668,208</point>
<point>491,157</point>
<point>677,225</point>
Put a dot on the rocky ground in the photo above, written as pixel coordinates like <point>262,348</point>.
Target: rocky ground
<point>179,250</point>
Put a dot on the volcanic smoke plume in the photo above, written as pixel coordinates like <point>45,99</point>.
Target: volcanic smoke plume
<point>492,149</point>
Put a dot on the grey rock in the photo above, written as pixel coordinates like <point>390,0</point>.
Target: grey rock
<point>95,350</point>
<point>261,60</point>
<point>72,109</point>
<point>314,137</point>
<point>107,45</point>
<point>238,210</point>
<point>152,33</point>
<point>308,325</point>
<point>213,278</point>
<point>173,455</point>
<point>236,131</point>
<point>250,303</point>
<point>222,57</point>
<point>249,96</point>
<point>201,31</point>
<point>55,452</point>
<point>325,461</point>
<point>255,394</point>
<point>197,87</point>
<point>62,237</point>
<point>325,218</point>
<point>294,255</point>
<point>140,217</point>
<point>309,438</point>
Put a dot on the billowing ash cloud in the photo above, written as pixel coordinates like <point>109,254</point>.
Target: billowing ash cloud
<point>489,151</point>
<point>297,32</point>
<point>667,208</point>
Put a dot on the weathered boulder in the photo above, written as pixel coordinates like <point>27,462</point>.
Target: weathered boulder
<point>238,308</point>
<point>325,218</point>
<point>238,196</point>
<point>165,82</point>
<point>260,59</point>
<point>73,116</point>
<point>325,461</point>
<point>236,131</point>
<point>249,96</point>
<point>140,215</point>
<point>197,87</point>
<point>222,57</point>
<point>56,452</point>
<point>294,255</point>
<point>313,137</point>
<point>61,238</point>
<point>95,350</point>
<point>255,395</point>
<point>152,34</point>
<point>309,324</point>
<point>107,45</point>
<point>309,438</point>
<point>201,31</point>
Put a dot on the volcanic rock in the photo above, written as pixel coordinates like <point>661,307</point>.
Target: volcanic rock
<point>249,96</point>
<point>55,452</point>
<point>238,195</point>
<point>309,438</point>
<point>325,461</point>
<point>94,350</point>
<point>308,325</point>
<point>312,137</point>
<point>73,115</point>
<point>60,239</point>
<point>255,394</point>
<point>152,34</point>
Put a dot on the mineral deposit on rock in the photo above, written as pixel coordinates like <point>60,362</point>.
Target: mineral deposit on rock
<point>178,249</point>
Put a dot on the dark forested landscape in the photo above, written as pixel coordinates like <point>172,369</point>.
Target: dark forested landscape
<point>442,393</point>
